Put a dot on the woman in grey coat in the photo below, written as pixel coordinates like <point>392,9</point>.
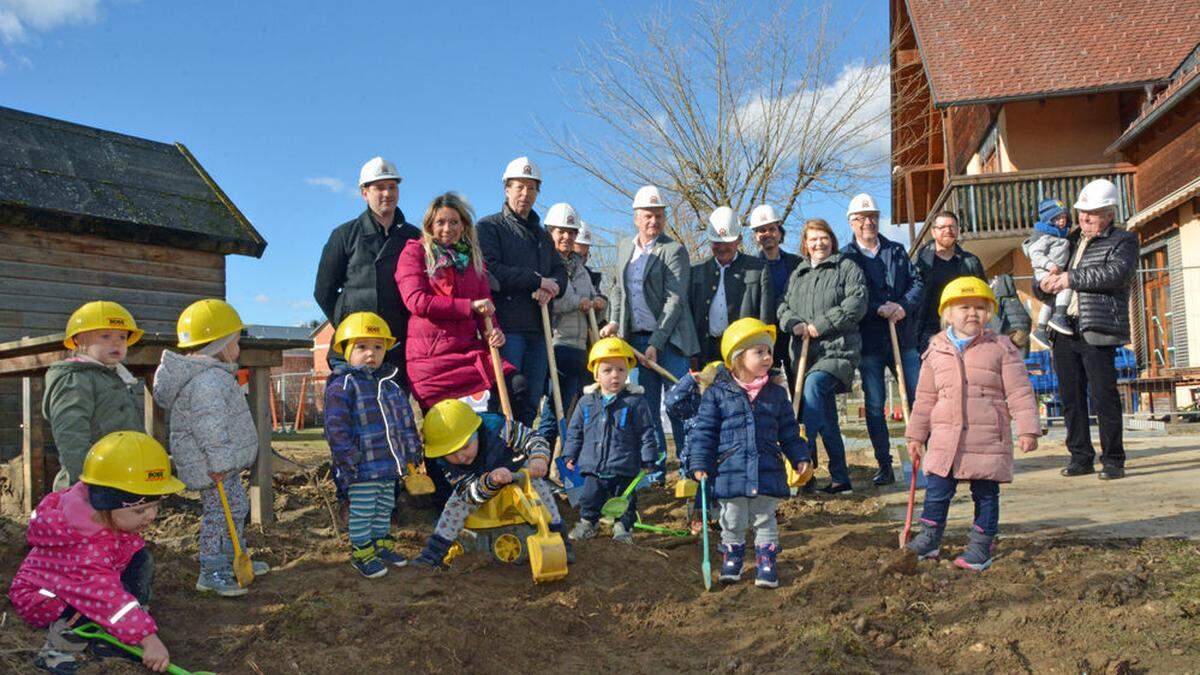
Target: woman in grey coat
<point>826,298</point>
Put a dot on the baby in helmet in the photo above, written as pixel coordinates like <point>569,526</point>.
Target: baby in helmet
<point>479,455</point>
<point>87,559</point>
<point>611,435</point>
<point>91,393</point>
<point>372,436</point>
<point>212,432</point>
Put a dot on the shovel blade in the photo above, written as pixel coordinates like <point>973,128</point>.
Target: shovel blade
<point>547,557</point>
<point>418,484</point>
<point>706,570</point>
<point>243,569</point>
<point>614,508</point>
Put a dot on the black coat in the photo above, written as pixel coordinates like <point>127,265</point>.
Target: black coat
<point>748,292</point>
<point>518,253</point>
<point>357,273</point>
<point>1102,280</point>
<point>967,264</point>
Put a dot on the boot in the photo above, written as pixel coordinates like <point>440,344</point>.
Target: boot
<point>766,575</point>
<point>885,476</point>
<point>434,553</point>
<point>734,557</point>
<point>584,529</point>
<point>62,647</point>
<point>219,581</point>
<point>385,548</point>
<point>1041,337</point>
<point>978,554</point>
<point>621,534</point>
<point>928,542</point>
<point>366,560</point>
<point>561,529</point>
<point>1059,322</point>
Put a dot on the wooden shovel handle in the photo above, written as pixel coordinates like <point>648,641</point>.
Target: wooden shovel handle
<point>498,370</point>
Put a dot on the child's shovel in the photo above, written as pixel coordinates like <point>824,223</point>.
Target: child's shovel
<point>706,566</point>
<point>498,370</point>
<point>417,482</point>
<point>912,497</point>
<point>659,529</point>
<point>616,507</point>
<point>243,568</point>
<point>93,631</point>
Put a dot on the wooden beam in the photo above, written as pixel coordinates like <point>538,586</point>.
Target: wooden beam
<point>912,217</point>
<point>907,57</point>
<point>262,498</point>
<point>35,482</point>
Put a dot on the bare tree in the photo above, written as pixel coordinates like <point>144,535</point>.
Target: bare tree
<point>717,112</point>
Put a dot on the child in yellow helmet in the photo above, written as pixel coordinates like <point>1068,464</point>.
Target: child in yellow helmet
<point>88,561</point>
<point>611,436</point>
<point>372,437</point>
<point>479,455</point>
<point>91,393</point>
<point>213,437</point>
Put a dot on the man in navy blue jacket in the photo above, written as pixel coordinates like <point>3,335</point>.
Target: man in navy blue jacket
<point>894,293</point>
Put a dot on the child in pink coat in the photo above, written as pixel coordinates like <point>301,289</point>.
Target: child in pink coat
<point>88,561</point>
<point>973,386</point>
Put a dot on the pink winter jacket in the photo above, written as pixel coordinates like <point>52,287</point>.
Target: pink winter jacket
<point>966,403</point>
<point>78,562</point>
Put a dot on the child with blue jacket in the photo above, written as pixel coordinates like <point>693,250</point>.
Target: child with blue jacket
<point>372,436</point>
<point>611,436</point>
<point>744,432</point>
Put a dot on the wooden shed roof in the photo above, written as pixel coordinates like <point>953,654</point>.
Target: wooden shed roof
<point>69,177</point>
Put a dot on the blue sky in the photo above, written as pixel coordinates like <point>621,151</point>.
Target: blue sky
<point>282,102</point>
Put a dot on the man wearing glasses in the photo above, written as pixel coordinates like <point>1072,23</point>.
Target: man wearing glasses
<point>938,263</point>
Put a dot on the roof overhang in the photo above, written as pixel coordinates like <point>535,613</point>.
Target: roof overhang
<point>1040,95</point>
<point>1189,191</point>
<point>1141,125</point>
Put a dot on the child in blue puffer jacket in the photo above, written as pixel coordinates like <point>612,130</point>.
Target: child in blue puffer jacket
<point>610,436</point>
<point>743,434</point>
<point>372,436</point>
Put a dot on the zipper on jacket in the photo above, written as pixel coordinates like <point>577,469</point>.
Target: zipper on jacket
<point>386,427</point>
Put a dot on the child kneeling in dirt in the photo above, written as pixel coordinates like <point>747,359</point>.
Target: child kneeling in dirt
<point>212,433</point>
<point>479,455</point>
<point>610,436</point>
<point>973,384</point>
<point>88,561</point>
<point>683,402</point>
<point>745,430</point>
<point>91,393</point>
<point>372,436</point>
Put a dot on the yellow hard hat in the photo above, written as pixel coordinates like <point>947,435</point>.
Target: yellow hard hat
<point>966,287</point>
<point>362,326</point>
<point>101,315</point>
<point>608,348</point>
<point>739,332</point>
<point>206,320</point>
<point>448,426</point>
<point>130,461</point>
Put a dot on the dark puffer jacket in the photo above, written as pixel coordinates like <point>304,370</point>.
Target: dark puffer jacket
<point>1102,278</point>
<point>614,438</point>
<point>742,445</point>
<point>519,253</point>
<point>832,297</point>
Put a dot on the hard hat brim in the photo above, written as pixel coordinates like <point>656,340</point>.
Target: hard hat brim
<point>456,444</point>
<point>376,179</point>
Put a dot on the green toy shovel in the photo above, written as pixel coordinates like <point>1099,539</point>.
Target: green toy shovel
<point>706,566</point>
<point>93,631</point>
<point>617,506</point>
<point>659,529</point>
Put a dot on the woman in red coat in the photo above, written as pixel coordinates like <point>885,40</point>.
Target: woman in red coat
<point>444,284</point>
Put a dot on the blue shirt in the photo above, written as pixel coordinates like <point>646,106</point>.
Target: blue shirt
<point>874,330</point>
<point>779,272</point>
<point>960,343</point>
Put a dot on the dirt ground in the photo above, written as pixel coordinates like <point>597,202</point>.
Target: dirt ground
<point>848,602</point>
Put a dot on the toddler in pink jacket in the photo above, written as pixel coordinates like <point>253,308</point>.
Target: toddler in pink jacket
<point>88,560</point>
<point>973,386</point>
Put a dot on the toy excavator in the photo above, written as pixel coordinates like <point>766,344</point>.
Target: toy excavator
<point>514,526</point>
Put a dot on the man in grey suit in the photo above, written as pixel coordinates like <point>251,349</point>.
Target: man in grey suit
<point>727,287</point>
<point>649,305</point>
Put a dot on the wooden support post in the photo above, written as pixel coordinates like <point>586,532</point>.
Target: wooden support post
<point>262,497</point>
<point>35,481</point>
<point>153,417</point>
<point>299,423</point>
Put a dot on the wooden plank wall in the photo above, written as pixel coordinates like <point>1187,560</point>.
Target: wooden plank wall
<point>44,276</point>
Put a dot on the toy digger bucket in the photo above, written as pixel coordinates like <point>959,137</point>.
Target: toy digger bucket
<point>685,488</point>
<point>797,480</point>
<point>417,482</point>
<point>616,507</point>
<point>547,552</point>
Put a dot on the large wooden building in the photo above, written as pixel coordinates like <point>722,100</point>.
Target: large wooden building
<point>87,214</point>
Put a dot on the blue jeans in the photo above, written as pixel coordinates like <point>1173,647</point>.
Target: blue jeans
<point>985,493</point>
<point>820,417</point>
<point>527,351</point>
<point>673,362</point>
<point>573,376</point>
<point>875,394</point>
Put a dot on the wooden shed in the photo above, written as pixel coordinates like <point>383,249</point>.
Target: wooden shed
<point>86,214</point>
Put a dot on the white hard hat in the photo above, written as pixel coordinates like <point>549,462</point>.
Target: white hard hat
<point>585,234</point>
<point>763,214</point>
<point>723,226</point>
<point>522,167</point>
<point>647,197</point>
<point>862,203</point>
<point>1097,194</point>
<point>562,215</point>
<point>377,168</point>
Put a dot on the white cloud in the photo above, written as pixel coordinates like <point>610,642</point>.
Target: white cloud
<point>335,185</point>
<point>19,17</point>
<point>262,297</point>
<point>302,304</point>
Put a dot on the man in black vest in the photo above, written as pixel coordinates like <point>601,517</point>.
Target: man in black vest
<point>357,271</point>
<point>938,263</point>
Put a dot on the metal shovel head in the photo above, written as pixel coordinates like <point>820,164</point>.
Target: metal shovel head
<point>418,484</point>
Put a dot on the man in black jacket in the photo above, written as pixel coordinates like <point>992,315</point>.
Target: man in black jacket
<point>939,262</point>
<point>767,227</point>
<point>1103,263</point>
<point>357,271</point>
<point>525,272</point>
